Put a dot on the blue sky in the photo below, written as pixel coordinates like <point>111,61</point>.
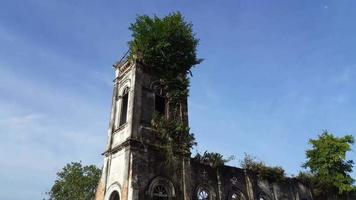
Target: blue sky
<point>275,74</point>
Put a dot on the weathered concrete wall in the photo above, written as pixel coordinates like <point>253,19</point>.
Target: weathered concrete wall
<point>225,182</point>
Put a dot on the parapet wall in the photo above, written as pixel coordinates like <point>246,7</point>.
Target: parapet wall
<point>229,183</point>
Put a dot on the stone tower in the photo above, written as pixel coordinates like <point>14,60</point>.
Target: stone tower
<point>133,167</point>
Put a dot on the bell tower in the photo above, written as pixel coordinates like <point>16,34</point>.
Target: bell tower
<point>134,168</point>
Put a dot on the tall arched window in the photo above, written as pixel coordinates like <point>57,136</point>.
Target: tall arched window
<point>114,196</point>
<point>124,104</point>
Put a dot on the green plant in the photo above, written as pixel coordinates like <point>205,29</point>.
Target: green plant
<point>173,136</point>
<point>166,47</point>
<point>327,162</point>
<point>272,174</point>
<point>212,158</point>
<point>75,181</point>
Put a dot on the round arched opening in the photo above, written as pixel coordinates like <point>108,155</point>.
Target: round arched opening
<point>203,194</point>
<point>161,189</point>
<point>237,196</point>
<point>160,193</point>
<point>114,196</point>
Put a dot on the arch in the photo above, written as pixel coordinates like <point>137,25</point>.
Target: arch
<point>113,191</point>
<point>124,106</point>
<point>157,88</point>
<point>204,192</point>
<point>126,83</point>
<point>236,195</point>
<point>161,188</point>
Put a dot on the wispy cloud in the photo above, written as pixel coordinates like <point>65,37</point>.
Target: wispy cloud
<point>45,124</point>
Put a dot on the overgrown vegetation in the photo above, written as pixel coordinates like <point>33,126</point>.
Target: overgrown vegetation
<point>166,48</point>
<point>164,45</point>
<point>174,136</point>
<point>329,170</point>
<point>212,158</point>
<point>75,181</point>
<point>272,174</point>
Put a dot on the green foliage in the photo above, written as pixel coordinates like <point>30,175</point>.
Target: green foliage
<point>327,162</point>
<point>212,158</point>
<point>174,136</point>
<point>305,177</point>
<point>320,190</point>
<point>272,174</point>
<point>166,47</point>
<point>75,181</point>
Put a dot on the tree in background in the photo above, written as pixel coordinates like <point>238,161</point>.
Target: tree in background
<point>329,169</point>
<point>75,181</point>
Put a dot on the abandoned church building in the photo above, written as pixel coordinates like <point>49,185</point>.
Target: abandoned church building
<point>135,170</point>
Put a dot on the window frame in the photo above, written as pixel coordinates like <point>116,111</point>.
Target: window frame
<point>124,106</point>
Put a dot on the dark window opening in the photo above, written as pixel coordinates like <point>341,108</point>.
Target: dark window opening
<point>114,196</point>
<point>160,104</point>
<point>123,116</point>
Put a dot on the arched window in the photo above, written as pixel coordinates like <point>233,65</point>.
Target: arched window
<point>114,196</point>
<point>235,197</point>
<point>124,104</point>
<point>203,195</point>
<point>161,189</point>
<point>160,193</point>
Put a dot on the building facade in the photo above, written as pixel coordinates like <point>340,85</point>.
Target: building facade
<point>134,168</point>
